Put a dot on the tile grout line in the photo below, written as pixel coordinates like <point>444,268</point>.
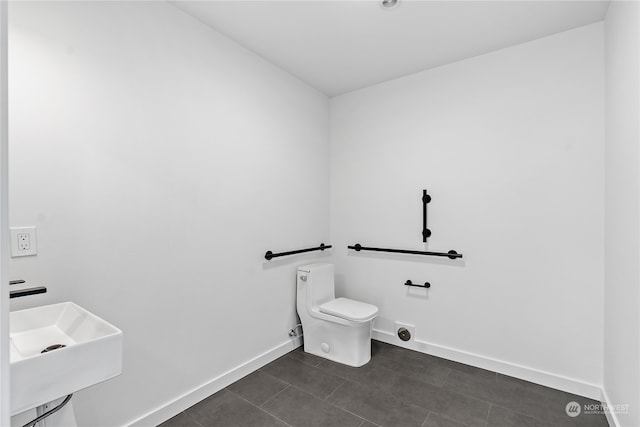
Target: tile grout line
<point>492,403</point>
<point>344,380</point>
<point>302,361</point>
<point>191,418</point>
<point>489,414</point>
<point>264,410</point>
<point>425,419</point>
<point>274,396</point>
<point>315,397</point>
<point>486,422</point>
<point>336,406</point>
<point>470,396</point>
<point>326,398</point>
<point>273,376</point>
<point>388,392</point>
<point>364,420</point>
<point>518,412</point>
<point>346,410</point>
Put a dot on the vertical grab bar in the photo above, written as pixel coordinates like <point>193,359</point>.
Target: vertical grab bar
<point>425,231</point>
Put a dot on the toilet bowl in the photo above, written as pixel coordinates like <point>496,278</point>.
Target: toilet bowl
<point>337,329</point>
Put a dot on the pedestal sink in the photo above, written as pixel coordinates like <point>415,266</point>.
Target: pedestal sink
<point>83,350</point>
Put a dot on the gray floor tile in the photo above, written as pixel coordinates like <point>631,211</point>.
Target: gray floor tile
<point>480,387</point>
<point>466,410</point>
<point>226,409</point>
<point>180,420</point>
<point>443,364</point>
<point>301,409</point>
<point>435,420</point>
<point>306,377</point>
<point>557,414</point>
<point>308,358</point>
<point>452,405</point>
<point>517,382</point>
<point>419,393</point>
<point>501,417</point>
<point>542,403</point>
<point>402,361</point>
<point>545,392</point>
<point>258,387</point>
<point>370,374</point>
<point>467,369</point>
<point>545,404</point>
<point>399,387</point>
<point>379,346</point>
<point>377,406</point>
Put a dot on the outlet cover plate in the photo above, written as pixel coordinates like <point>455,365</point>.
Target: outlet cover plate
<point>23,241</point>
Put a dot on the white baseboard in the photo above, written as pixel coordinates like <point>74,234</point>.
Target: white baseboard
<point>612,418</point>
<point>547,379</point>
<point>190,398</point>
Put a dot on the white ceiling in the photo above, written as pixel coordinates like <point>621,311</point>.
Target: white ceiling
<point>340,46</point>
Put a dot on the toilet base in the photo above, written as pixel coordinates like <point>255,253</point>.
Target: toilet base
<point>349,345</point>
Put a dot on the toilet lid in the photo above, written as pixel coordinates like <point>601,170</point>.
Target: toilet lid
<point>349,309</point>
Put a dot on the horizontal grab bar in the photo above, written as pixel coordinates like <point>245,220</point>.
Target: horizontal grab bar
<point>270,255</point>
<point>410,283</point>
<point>451,254</point>
<point>16,282</point>
<point>27,292</point>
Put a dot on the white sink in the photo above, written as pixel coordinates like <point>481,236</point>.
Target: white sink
<point>92,353</point>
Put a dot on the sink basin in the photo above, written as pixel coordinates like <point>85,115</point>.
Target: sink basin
<point>92,353</point>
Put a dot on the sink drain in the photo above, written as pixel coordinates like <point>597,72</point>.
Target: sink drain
<point>53,347</point>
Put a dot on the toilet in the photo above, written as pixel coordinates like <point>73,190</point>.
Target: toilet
<point>338,329</point>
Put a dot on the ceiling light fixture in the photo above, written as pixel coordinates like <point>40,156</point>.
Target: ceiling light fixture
<point>389,4</point>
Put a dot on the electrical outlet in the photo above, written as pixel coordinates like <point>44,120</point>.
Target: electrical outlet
<point>23,241</point>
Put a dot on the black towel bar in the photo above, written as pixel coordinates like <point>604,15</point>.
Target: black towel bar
<point>269,255</point>
<point>451,254</point>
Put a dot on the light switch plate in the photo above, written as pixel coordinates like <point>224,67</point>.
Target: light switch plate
<point>23,241</point>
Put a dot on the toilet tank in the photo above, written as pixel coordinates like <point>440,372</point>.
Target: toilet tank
<point>319,284</point>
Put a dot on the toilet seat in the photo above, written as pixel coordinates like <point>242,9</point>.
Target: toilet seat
<point>349,309</point>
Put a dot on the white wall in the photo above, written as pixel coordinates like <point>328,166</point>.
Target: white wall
<point>159,161</point>
<point>4,219</point>
<point>510,145</point>
<point>622,212</point>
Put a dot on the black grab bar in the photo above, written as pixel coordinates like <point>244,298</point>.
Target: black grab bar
<point>269,255</point>
<point>425,231</point>
<point>451,254</point>
<point>27,292</point>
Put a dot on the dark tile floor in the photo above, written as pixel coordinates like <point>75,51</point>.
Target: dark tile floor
<point>397,388</point>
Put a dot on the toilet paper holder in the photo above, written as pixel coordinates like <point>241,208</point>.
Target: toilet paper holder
<point>410,283</point>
